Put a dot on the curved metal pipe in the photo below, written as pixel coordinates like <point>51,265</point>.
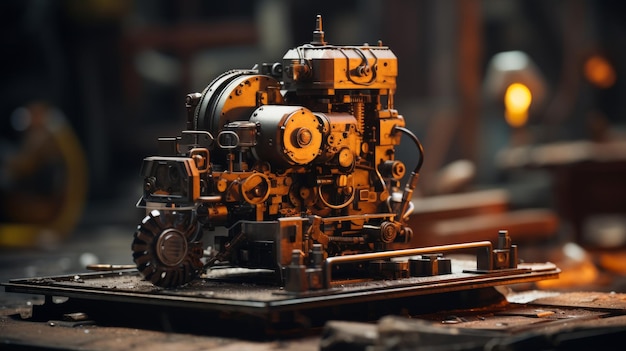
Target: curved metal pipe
<point>412,183</point>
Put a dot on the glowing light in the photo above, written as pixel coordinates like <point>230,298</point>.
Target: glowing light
<point>599,72</point>
<point>517,99</point>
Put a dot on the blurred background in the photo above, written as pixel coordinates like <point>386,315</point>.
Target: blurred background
<point>519,105</point>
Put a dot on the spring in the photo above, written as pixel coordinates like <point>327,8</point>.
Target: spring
<point>358,110</point>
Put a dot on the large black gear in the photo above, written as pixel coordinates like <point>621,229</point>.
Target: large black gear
<point>167,248</point>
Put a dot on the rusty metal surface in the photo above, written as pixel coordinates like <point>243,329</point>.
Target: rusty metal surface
<point>17,334</point>
<point>227,309</point>
<point>219,291</point>
<point>552,324</point>
<point>514,326</point>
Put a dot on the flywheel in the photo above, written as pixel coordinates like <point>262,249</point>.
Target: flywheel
<point>167,248</point>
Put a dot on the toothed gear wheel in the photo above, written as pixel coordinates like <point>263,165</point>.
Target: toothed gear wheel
<point>167,248</point>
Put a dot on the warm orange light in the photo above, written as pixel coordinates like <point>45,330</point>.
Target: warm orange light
<point>599,72</point>
<point>517,99</point>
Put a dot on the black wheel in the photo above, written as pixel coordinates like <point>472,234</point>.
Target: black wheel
<point>167,248</point>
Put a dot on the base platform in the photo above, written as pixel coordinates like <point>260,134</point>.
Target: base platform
<point>248,294</point>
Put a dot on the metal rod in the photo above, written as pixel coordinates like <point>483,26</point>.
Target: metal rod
<point>355,217</point>
<point>331,261</point>
<point>109,267</point>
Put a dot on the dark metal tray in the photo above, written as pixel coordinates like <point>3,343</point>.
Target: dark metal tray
<point>246,291</point>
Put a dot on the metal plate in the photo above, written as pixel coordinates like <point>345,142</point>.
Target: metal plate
<point>243,291</point>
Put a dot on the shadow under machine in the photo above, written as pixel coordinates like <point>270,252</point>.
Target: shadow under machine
<point>286,176</point>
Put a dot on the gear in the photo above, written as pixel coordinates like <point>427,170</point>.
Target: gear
<point>167,248</point>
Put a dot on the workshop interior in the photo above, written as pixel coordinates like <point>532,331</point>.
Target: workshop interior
<point>274,162</point>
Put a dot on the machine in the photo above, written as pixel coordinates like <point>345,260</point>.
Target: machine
<point>297,161</point>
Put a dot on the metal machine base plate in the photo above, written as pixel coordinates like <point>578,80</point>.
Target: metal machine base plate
<point>243,291</point>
